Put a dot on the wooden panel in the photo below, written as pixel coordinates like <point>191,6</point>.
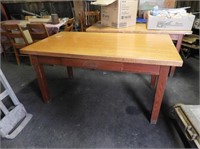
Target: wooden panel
<point>102,65</point>
<point>92,64</point>
<point>141,68</point>
<point>49,60</point>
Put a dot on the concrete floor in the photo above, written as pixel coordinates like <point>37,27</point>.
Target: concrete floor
<point>98,109</point>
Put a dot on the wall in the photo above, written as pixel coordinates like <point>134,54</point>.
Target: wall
<point>62,8</point>
<point>194,4</point>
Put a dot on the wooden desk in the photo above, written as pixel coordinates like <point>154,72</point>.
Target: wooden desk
<point>141,28</point>
<point>137,53</point>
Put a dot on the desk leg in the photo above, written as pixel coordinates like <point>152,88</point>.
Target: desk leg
<point>178,47</point>
<point>162,80</point>
<point>153,80</point>
<point>41,78</point>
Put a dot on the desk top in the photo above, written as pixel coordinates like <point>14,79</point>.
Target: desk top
<point>138,28</point>
<point>131,48</point>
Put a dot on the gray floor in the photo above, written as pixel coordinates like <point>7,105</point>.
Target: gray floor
<point>98,109</point>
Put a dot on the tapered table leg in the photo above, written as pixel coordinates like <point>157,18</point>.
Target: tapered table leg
<point>178,47</point>
<point>153,80</point>
<point>41,78</point>
<point>161,84</point>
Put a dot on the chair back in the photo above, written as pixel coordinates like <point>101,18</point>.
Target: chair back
<point>5,40</point>
<point>69,25</point>
<point>16,35</point>
<point>89,18</point>
<point>37,31</point>
<point>17,38</point>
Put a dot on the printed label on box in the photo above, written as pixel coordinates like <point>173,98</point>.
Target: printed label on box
<point>164,24</point>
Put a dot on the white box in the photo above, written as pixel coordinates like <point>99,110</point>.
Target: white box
<point>121,13</point>
<point>162,23</point>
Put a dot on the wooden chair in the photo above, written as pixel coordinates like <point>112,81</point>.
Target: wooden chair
<point>88,18</point>
<point>69,25</point>
<point>17,38</point>
<point>37,31</point>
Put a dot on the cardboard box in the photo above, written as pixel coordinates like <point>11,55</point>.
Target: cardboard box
<point>162,23</point>
<point>121,13</point>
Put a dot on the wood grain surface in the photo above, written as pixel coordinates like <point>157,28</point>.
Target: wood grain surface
<point>131,48</point>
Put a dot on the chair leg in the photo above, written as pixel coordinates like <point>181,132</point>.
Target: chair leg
<point>5,56</point>
<point>30,60</point>
<point>4,53</point>
<point>17,56</point>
